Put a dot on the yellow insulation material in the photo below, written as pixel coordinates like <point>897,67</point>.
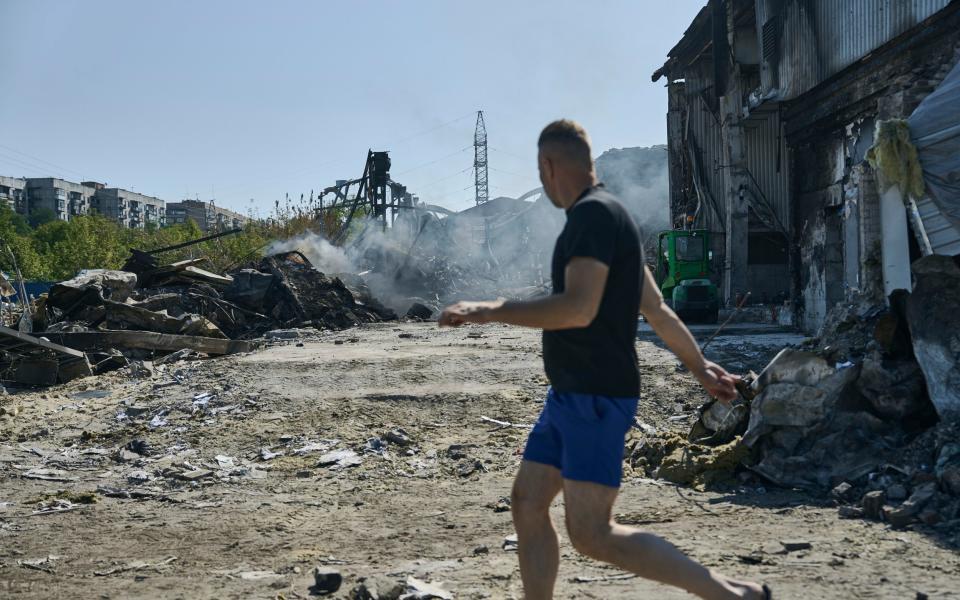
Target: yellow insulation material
<point>894,157</point>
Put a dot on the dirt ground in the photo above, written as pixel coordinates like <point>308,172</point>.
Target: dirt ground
<point>210,512</point>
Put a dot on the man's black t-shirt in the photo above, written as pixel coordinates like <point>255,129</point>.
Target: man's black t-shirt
<point>601,358</point>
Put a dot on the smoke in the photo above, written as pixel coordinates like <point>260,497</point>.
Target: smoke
<point>325,256</point>
<point>639,177</point>
<point>502,248</point>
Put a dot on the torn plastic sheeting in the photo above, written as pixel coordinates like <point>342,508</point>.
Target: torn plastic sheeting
<point>935,132</point>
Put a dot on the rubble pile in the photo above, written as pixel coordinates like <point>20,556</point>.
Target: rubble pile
<point>292,293</point>
<point>867,413</point>
<point>148,310</point>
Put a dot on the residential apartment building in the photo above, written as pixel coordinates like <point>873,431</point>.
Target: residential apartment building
<point>207,216</point>
<point>65,198</point>
<point>129,209</point>
<point>68,199</point>
<point>13,193</point>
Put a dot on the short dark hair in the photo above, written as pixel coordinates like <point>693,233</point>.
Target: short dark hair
<point>569,139</point>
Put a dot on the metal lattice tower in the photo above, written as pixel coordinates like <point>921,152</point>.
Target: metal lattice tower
<point>480,159</point>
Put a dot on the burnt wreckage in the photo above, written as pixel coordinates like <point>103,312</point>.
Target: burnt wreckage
<point>102,319</point>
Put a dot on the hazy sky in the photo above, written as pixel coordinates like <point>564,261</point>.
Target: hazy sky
<point>251,100</point>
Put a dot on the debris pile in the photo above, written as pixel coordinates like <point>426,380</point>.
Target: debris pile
<point>867,413</point>
<point>148,310</point>
<point>292,293</point>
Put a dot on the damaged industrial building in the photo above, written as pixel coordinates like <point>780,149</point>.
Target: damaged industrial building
<point>774,106</point>
<point>817,144</point>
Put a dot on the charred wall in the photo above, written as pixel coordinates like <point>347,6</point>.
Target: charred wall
<point>836,233</point>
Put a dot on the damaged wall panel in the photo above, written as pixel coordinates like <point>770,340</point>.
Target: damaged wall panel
<point>809,41</point>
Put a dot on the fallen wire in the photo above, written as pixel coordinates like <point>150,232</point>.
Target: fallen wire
<point>504,424</point>
<point>583,579</point>
<point>697,503</point>
<point>724,324</point>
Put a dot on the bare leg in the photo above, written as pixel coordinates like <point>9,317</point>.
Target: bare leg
<point>588,510</point>
<point>534,489</point>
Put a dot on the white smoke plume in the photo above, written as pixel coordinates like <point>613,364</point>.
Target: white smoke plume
<point>639,177</point>
<point>426,258</point>
<point>325,256</point>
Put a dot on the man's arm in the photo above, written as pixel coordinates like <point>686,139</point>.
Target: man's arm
<point>585,280</point>
<point>678,338</point>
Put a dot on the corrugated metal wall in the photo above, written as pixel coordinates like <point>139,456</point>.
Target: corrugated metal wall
<point>766,150</point>
<point>820,38</point>
<point>705,130</point>
<point>944,238</point>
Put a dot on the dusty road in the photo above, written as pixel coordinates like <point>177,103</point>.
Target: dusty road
<point>227,499</point>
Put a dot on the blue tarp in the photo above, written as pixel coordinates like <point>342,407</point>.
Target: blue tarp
<point>34,288</point>
<point>935,131</point>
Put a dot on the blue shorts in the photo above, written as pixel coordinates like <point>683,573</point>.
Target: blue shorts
<point>582,435</point>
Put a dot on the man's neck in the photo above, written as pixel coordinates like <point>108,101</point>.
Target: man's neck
<point>576,188</point>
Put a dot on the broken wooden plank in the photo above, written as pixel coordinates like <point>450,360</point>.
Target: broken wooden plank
<point>183,264</point>
<point>203,275</point>
<point>185,274</point>
<point>149,340</point>
<point>8,337</point>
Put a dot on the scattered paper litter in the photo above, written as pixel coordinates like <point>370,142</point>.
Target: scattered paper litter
<point>339,459</point>
<point>421,590</point>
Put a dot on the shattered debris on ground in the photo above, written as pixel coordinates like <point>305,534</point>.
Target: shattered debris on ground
<point>257,468</point>
<point>151,310</point>
<point>865,414</point>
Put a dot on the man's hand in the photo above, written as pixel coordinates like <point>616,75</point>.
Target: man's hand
<point>718,383</point>
<point>467,312</point>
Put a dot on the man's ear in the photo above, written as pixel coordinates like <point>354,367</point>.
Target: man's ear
<point>547,167</point>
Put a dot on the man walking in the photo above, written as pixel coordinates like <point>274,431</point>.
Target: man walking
<point>589,324</point>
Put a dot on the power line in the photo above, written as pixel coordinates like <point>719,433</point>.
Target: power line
<point>345,158</point>
<point>442,179</point>
<point>431,130</point>
<point>510,153</point>
<point>427,164</point>
<point>62,169</point>
<point>513,174</point>
<point>20,164</point>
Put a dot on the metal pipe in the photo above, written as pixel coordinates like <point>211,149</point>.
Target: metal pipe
<point>196,241</point>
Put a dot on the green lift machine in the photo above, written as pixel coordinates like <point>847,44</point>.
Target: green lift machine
<point>683,273</point>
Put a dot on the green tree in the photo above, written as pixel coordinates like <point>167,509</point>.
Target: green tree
<point>40,216</point>
<point>47,236</point>
<point>17,221</point>
<point>86,242</point>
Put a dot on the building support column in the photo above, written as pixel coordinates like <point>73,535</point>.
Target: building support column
<point>735,194</point>
<point>895,245</point>
<point>735,183</point>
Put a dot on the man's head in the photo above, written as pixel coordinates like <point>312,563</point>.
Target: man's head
<point>564,158</point>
